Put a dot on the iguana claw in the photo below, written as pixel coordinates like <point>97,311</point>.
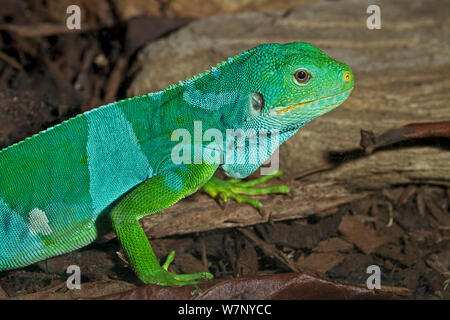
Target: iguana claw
<point>236,188</point>
<point>166,278</point>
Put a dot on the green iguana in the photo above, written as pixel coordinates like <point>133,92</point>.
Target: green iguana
<point>124,161</point>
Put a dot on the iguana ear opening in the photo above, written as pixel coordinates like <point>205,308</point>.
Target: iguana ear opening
<point>257,102</point>
<point>234,115</point>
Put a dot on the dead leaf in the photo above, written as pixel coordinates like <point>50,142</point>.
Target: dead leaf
<point>333,244</point>
<point>363,237</point>
<point>319,262</point>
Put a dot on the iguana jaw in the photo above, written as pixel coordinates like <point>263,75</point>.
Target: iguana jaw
<point>330,100</point>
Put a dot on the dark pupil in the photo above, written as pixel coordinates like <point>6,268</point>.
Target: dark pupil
<point>301,75</point>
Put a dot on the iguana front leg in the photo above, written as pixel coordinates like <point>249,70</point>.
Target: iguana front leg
<point>236,188</point>
<point>151,196</point>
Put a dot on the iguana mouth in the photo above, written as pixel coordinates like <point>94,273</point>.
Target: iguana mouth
<point>335,98</point>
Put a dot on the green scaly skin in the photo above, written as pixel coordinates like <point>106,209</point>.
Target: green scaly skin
<point>116,163</point>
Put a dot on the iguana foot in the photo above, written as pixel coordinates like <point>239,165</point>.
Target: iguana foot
<point>235,188</point>
<point>163,277</point>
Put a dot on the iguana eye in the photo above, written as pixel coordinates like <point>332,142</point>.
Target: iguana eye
<point>302,76</point>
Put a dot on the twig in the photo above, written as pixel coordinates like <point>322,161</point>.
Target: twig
<point>400,291</point>
<point>39,29</point>
<point>269,250</point>
<point>204,257</point>
<point>370,142</point>
<point>313,170</point>
<point>11,61</point>
<point>115,79</point>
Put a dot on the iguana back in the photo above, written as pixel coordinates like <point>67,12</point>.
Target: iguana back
<point>54,185</point>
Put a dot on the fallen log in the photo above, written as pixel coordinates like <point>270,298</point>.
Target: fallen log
<point>201,213</point>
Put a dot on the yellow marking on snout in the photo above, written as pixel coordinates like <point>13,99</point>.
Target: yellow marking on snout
<point>290,107</point>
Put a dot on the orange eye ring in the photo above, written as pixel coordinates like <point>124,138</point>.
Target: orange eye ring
<point>302,76</point>
<point>347,76</point>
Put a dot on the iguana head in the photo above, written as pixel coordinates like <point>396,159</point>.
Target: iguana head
<point>293,84</point>
<point>288,86</point>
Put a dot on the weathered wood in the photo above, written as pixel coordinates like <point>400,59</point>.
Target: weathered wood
<point>201,212</point>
